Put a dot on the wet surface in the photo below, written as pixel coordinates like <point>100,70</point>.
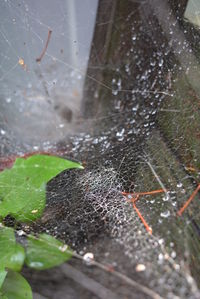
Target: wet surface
<point>137,131</point>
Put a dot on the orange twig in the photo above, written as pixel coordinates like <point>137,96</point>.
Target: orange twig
<point>135,197</point>
<point>180,212</point>
<point>144,193</point>
<point>151,192</point>
<point>148,228</point>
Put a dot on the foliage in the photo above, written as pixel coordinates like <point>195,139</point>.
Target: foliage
<point>22,188</point>
<point>12,254</point>
<point>22,195</point>
<point>45,252</point>
<point>15,286</point>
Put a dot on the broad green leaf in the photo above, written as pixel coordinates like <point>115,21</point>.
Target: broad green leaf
<point>3,296</point>
<point>24,202</point>
<point>12,254</point>
<point>46,252</point>
<point>22,188</point>
<point>17,258</point>
<point>2,277</point>
<point>40,169</point>
<point>15,286</point>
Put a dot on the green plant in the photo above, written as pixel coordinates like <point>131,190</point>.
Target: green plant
<point>22,196</point>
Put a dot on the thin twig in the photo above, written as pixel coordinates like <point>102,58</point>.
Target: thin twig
<point>88,283</point>
<point>123,277</point>
<point>148,228</point>
<point>135,197</point>
<point>110,270</point>
<point>144,193</point>
<point>157,178</point>
<point>129,281</point>
<point>180,212</point>
<point>133,200</point>
<point>170,110</point>
<point>45,48</point>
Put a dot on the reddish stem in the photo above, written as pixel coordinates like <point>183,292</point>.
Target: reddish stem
<point>45,48</point>
<point>180,212</point>
<point>133,200</point>
<point>145,193</point>
<point>148,228</point>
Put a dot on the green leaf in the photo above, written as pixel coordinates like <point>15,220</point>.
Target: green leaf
<point>46,252</point>
<point>22,188</point>
<point>3,296</point>
<point>12,254</point>
<point>15,286</point>
<point>28,205</point>
<point>42,168</point>
<point>17,258</point>
<point>3,274</point>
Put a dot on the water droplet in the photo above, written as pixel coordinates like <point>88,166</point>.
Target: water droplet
<point>153,63</point>
<point>166,197</point>
<point>177,267</point>
<point>165,214</point>
<point>8,100</point>
<point>3,132</point>
<point>95,141</point>
<point>140,268</point>
<point>179,185</point>
<point>161,241</point>
<point>36,148</point>
<point>96,94</point>
<point>135,108</point>
<point>63,248</point>
<point>88,258</point>
<point>174,203</point>
<point>36,265</point>
<point>173,254</point>
<point>127,68</point>
<point>161,62</point>
<point>120,134</point>
<point>119,83</point>
<point>21,232</point>
<point>117,105</point>
<point>114,92</point>
<point>161,257</point>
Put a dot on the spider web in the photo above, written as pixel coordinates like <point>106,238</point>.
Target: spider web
<point>141,135</point>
